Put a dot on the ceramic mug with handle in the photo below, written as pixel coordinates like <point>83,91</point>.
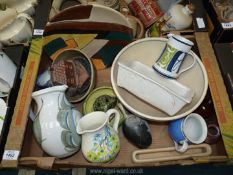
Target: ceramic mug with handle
<point>189,130</point>
<point>175,51</point>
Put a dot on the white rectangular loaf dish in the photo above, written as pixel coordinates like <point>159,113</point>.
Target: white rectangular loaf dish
<point>165,94</point>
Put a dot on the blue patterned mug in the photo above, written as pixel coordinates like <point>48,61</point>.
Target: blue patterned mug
<point>189,130</point>
<point>173,55</point>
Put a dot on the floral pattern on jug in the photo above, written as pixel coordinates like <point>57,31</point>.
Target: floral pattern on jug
<point>105,146</point>
<point>55,122</point>
<point>100,141</point>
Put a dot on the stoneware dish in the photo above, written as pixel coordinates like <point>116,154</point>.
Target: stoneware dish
<point>102,99</point>
<point>19,31</point>
<point>60,5</point>
<point>147,51</point>
<point>94,13</point>
<point>83,65</point>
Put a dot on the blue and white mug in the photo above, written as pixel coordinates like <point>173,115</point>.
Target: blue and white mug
<point>172,56</point>
<point>189,130</point>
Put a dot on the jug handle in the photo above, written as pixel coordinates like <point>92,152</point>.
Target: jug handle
<point>116,116</point>
<point>33,115</point>
<point>169,35</point>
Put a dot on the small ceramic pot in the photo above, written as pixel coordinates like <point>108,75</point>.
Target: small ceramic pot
<point>186,131</point>
<point>213,134</point>
<point>7,73</point>
<point>178,17</point>
<point>19,31</point>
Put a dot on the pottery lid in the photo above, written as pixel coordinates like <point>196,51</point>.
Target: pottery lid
<point>7,17</point>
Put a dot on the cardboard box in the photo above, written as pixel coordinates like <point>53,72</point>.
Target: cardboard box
<point>222,31</point>
<point>26,152</point>
<point>19,121</point>
<point>218,91</point>
<point>224,54</point>
<point>18,55</point>
<point>31,155</point>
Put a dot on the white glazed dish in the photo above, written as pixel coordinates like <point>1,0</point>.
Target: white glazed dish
<point>57,5</point>
<point>147,51</point>
<point>99,13</point>
<point>166,94</point>
<point>18,31</point>
<point>7,73</point>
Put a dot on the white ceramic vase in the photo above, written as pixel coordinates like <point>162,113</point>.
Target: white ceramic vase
<point>178,17</point>
<point>55,123</point>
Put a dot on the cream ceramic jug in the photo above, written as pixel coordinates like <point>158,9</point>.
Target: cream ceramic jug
<point>100,142</point>
<point>178,17</point>
<point>55,123</point>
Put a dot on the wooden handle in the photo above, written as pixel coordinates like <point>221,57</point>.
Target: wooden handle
<point>170,153</point>
<point>41,162</point>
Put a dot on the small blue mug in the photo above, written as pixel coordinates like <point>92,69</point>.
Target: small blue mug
<point>189,130</point>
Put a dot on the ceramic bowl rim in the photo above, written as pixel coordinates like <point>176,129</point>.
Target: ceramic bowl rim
<point>94,6</point>
<point>150,117</point>
<point>92,76</point>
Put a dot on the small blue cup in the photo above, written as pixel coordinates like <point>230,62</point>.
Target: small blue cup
<point>189,130</point>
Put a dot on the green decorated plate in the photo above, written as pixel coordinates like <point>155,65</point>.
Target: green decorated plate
<point>101,99</point>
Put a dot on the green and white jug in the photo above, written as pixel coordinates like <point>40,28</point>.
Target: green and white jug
<point>55,124</point>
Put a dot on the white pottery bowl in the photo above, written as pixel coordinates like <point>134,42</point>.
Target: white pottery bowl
<point>147,51</point>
